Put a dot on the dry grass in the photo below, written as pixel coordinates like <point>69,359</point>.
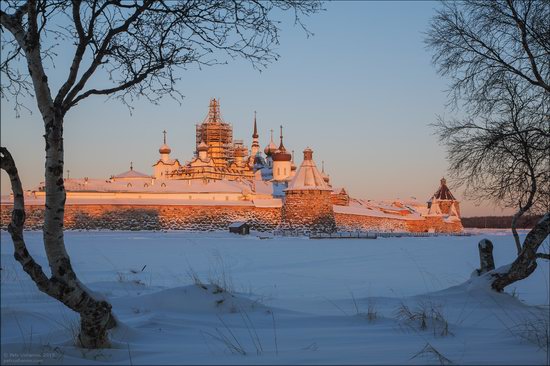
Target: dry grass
<point>431,354</point>
<point>425,316</point>
<point>371,315</point>
<point>535,330</point>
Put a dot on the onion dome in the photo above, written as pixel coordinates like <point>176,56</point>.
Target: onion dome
<point>165,149</point>
<point>271,148</point>
<point>202,147</point>
<point>281,154</point>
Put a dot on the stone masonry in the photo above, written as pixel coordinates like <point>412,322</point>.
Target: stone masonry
<point>308,210</point>
<point>316,215</point>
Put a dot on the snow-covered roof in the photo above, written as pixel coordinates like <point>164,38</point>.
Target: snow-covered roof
<point>273,202</point>
<point>158,186</point>
<point>135,200</point>
<point>338,190</point>
<point>131,174</point>
<point>167,162</point>
<point>373,212</point>
<point>308,176</point>
<point>263,187</point>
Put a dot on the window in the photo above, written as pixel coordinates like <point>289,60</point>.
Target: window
<point>163,185</point>
<point>129,185</point>
<point>146,185</point>
<point>278,171</point>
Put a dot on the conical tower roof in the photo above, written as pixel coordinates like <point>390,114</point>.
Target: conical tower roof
<point>255,134</point>
<point>308,176</point>
<point>443,193</point>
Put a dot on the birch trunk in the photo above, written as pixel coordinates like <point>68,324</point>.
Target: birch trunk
<point>486,260</point>
<point>63,285</point>
<point>526,262</point>
<point>95,314</point>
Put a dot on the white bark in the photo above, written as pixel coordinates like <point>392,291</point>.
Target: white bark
<point>486,261</point>
<point>64,285</point>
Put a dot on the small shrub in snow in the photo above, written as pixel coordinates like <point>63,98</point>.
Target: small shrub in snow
<point>193,275</point>
<point>71,325</point>
<point>431,354</point>
<point>534,330</point>
<point>220,275</point>
<point>124,278</point>
<point>425,316</point>
<point>371,314</point>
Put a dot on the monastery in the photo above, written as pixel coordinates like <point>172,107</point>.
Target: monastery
<point>226,182</point>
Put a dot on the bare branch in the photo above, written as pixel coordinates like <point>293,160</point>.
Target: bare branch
<point>543,256</point>
<point>526,47</point>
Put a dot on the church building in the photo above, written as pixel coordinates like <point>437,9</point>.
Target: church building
<point>226,181</point>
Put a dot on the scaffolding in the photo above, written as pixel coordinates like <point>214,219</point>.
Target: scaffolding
<point>217,134</point>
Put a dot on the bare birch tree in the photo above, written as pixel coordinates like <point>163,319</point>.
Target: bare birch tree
<point>137,46</point>
<point>497,55</point>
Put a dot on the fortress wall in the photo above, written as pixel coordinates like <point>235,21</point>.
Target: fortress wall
<point>436,223</point>
<point>126,217</point>
<point>308,210</point>
<point>349,222</point>
<point>205,218</point>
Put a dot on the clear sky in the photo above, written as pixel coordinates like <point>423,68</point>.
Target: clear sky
<point>361,93</point>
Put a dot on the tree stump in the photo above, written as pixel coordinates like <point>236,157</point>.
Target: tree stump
<point>486,260</point>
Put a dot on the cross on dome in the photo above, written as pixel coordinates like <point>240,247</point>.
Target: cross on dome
<point>271,148</point>
<point>165,149</point>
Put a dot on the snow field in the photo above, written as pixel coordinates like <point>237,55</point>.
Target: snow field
<point>217,298</point>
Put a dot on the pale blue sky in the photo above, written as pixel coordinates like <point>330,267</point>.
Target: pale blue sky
<point>361,93</point>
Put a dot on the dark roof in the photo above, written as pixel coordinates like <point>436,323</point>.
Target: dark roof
<point>443,193</point>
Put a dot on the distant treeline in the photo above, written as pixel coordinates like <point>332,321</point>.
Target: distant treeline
<point>499,222</point>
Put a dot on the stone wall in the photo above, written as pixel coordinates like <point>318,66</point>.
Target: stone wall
<point>125,217</point>
<point>435,223</point>
<point>315,216</point>
<point>349,222</point>
<point>308,210</point>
